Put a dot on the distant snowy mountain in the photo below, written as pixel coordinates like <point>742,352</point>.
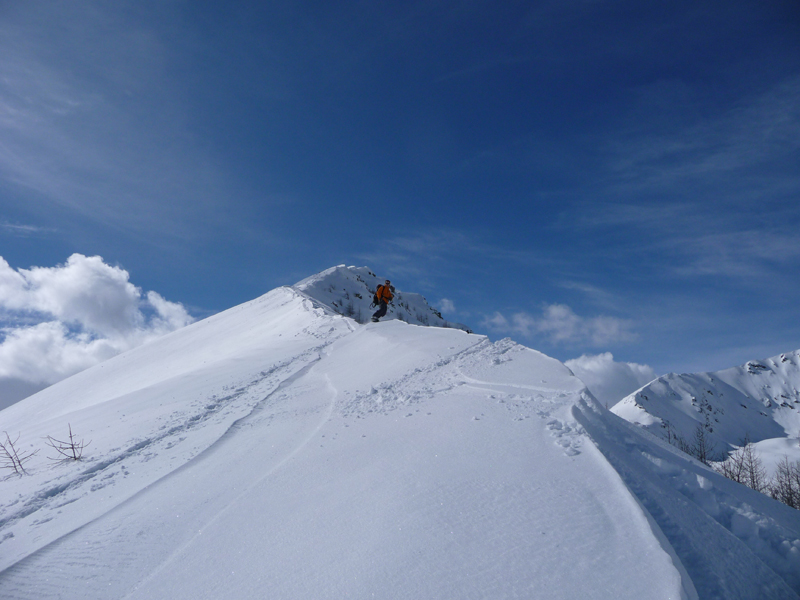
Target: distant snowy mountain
<point>759,400</point>
<point>349,290</point>
<point>282,450</point>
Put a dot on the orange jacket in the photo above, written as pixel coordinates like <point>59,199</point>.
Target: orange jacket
<point>384,293</point>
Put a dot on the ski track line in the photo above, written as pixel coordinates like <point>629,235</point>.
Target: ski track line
<point>45,498</point>
<point>42,499</point>
<point>549,404</point>
<point>176,553</point>
<point>235,426</point>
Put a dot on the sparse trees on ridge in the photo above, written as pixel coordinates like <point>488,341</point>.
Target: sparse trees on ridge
<point>743,465</point>
<point>746,467</point>
<point>786,484</point>
<point>701,446</point>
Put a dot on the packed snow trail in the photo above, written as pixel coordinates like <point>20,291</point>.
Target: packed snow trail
<point>405,462</point>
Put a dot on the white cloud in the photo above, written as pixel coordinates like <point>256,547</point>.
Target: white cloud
<point>84,291</point>
<point>61,320</point>
<point>560,324</point>
<point>497,322</point>
<point>447,306</point>
<point>48,352</point>
<point>608,380</point>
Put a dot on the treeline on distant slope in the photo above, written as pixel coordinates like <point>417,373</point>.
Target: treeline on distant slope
<point>743,465</point>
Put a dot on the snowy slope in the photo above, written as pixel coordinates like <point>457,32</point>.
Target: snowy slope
<point>732,541</point>
<point>760,400</point>
<point>349,290</point>
<point>281,450</point>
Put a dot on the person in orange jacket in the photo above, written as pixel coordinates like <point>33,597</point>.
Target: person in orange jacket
<point>383,295</point>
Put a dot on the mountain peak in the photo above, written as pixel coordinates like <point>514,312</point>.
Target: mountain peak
<point>348,291</point>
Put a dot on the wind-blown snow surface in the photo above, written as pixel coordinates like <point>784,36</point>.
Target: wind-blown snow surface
<point>281,450</point>
<point>759,400</point>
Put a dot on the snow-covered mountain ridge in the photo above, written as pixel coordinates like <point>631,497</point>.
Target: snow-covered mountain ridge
<point>281,449</point>
<point>759,400</point>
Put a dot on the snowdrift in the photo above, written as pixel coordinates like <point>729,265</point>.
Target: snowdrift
<point>282,450</point>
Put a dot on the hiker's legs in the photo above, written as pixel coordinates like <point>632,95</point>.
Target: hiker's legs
<point>381,311</point>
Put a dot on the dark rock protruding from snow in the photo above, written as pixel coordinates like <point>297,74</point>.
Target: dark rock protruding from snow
<point>348,291</point>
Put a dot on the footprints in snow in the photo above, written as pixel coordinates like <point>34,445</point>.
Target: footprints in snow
<point>568,435</point>
<point>410,390</point>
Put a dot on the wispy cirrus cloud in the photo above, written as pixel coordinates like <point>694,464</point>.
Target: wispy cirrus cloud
<point>749,254</point>
<point>596,295</point>
<point>430,249</point>
<point>713,197</point>
<point>21,230</point>
<point>748,244</point>
<point>757,131</point>
<point>91,120</point>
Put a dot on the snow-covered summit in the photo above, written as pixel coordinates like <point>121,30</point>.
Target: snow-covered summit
<point>349,290</point>
<point>759,400</point>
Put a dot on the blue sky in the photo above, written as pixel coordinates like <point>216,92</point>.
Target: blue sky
<point>583,176</point>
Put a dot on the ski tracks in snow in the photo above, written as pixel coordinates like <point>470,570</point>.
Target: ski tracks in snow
<point>101,472</point>
<point>53,557</point>
<point>320,408</point>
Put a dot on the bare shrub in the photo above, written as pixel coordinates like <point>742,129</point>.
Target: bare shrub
<point>71,449</point>
<point>12,457</point>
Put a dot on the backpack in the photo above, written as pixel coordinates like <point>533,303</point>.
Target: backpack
<point>375,299</point>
